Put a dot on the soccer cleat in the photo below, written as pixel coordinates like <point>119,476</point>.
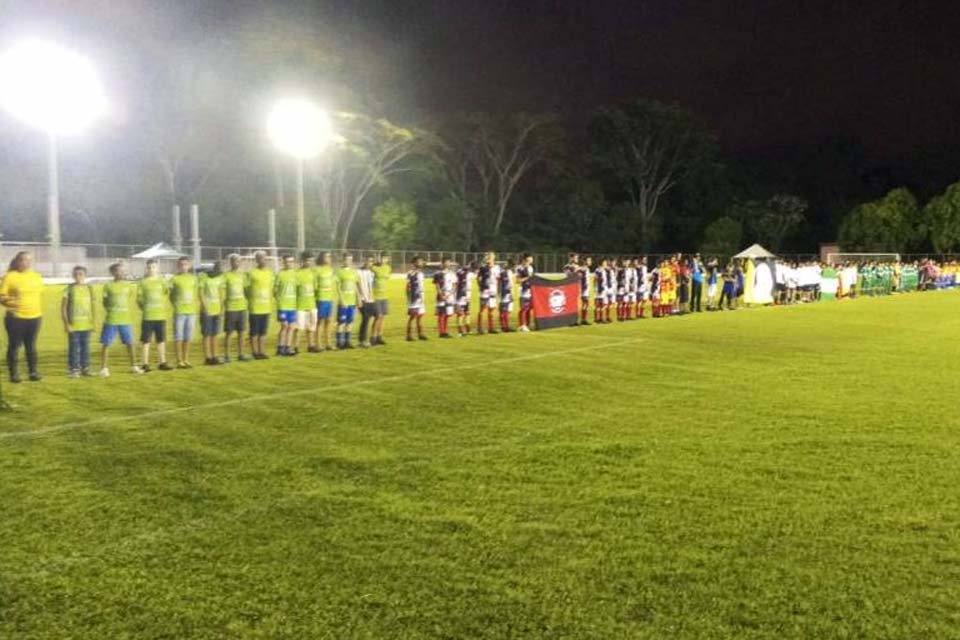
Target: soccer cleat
<point>525,329</point>
<point>86,373</point>
<point>409,338</point>
<point>244,358</point>
<point>35,377</point>
<point>74,374</point>
<point>421,337</point>
<point>15,378</point>
<point>135,369</point>
<point>146,368</point>
<point>104,372</point>
<point>164,366</point>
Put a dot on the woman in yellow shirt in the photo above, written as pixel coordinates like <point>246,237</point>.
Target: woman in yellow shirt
<point>21,291</point>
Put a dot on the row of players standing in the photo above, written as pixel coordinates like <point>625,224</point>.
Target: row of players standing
<point>672,286</point>
<point>454,291</point>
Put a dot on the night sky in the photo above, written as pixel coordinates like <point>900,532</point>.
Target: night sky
<point>763,73</point>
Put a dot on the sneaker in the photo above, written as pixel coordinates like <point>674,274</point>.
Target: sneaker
<point>74,374</point>
<point>493,332</point>
<point>15,378</point>
<point>365,345</point>
<point>225,360</point>
<point>209,362</point>
<point>261,356</point>
<point>187,365</point>
<point>86,373</point>
<point>524,329</point>
<point>421,337</point>
<point>104,372</point>
<point>35,377</point>
<point>409,338</point>
<point>164,366</point>
<point>244,358</point>
<point>146,368</point>
<point>135,369</point>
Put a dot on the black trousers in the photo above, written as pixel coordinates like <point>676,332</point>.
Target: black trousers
<point>21,333</point>
<point>368,313</point>
<point>696,289</point>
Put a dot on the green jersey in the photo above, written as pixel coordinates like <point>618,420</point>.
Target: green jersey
<point>381,276</point>
<point>260,290</point>
<point>324,283</point>
<point>79,299</point>
<point>286,290</point>
<point>183,294</point>
<point>235,285</point>
<point>211,293</point>
<point>347,278</point>
<point>306,290</point>
<point>152,297</point>
<point>118,299</point>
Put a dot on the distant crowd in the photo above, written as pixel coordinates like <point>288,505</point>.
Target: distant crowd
<point>317,303</point>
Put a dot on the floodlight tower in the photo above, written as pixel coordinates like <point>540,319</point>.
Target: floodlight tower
<point>300,129</point>
<point>58,91</point>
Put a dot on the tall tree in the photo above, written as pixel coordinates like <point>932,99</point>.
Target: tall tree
<point>941,220</point>
<point>777,218</point>
<point>367,153</point>
<point>888,224</point>
<point>648,147</point>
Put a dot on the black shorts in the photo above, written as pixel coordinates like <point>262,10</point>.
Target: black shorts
<point>259,322</point>
<point>235,321</point>
<point>209,325</point>
<point>153,329</point>
<point>383,307</point>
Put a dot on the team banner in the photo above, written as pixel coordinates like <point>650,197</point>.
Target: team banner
<point>555,301</point>
<point>829,283</point>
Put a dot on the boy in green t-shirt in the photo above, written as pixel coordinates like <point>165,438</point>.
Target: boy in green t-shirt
<point>381,280</point>
<point>306,304</point>
<point>118,301</point>
<point>235,294</point>
<point>347,289</point>
<point>152,295</point>
<point>211,308</point>
<point>324,288</point>
<point>183,295</point>
<point>260,300</point>
<point>285,293</point>
<point>77,311</point>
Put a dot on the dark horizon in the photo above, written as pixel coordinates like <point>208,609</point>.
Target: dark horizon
<point>762,74</point>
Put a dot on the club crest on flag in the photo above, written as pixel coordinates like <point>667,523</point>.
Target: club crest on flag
<point>558,301</point>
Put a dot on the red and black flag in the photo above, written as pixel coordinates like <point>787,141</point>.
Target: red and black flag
<point>555,300</point>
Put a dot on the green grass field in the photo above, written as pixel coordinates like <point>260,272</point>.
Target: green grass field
<point>775,473</point>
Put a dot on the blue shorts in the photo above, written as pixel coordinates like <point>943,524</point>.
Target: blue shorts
<point>289,317</point>
<point>324,309</point>
<point>183,326</point>
<point>110,331</point>
<point>345,314</point>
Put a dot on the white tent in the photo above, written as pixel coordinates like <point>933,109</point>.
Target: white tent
<point>159,250</point>
<point>755,251</point>
<point>758,275</point>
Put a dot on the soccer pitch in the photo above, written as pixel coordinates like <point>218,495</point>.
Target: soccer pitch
<point>778,472</point>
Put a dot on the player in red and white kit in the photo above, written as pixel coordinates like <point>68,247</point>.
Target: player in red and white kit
<point>465,277</point>
<point>630,283</point>
<point>505,286</point>
<point>601,292</point>
<point>488,279</point>
<point>524,275</point>
<point>415,302</point>
<point>445,282</point>
<point>643,284</point>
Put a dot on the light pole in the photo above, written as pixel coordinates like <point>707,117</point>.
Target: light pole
<point>57,91</point>
<point>300,129</point>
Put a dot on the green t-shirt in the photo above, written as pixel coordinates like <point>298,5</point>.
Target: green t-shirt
<point>306,290</point>
<point>347,285</point>
<point>118,301</point>
<point>381,276</point>
<point>286,290</point>
<point>235,285</point>
<point>79,299</point>
<point>152,297</point>
<point>183,294</point>
<point>260,290</point>
<point>324,284</point>
<point>211,292</point>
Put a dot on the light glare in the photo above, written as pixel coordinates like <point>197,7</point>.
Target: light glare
<point>50,88</point>
<point>299,128</point>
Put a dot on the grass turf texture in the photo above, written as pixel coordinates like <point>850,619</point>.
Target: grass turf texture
<point>781,472</point>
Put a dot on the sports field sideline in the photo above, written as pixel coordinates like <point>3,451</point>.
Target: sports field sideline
<point>712,475</point>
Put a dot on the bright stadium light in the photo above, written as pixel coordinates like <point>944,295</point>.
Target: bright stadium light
<point>301,129</point>
<point>57,91</point>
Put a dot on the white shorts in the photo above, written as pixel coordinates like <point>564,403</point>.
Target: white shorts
<point>488,302</point>
<point>307,320</point>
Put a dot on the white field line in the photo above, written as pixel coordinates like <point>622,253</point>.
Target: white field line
<point>69,426</point>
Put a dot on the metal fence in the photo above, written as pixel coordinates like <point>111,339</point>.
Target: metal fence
<point>97,258</point>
